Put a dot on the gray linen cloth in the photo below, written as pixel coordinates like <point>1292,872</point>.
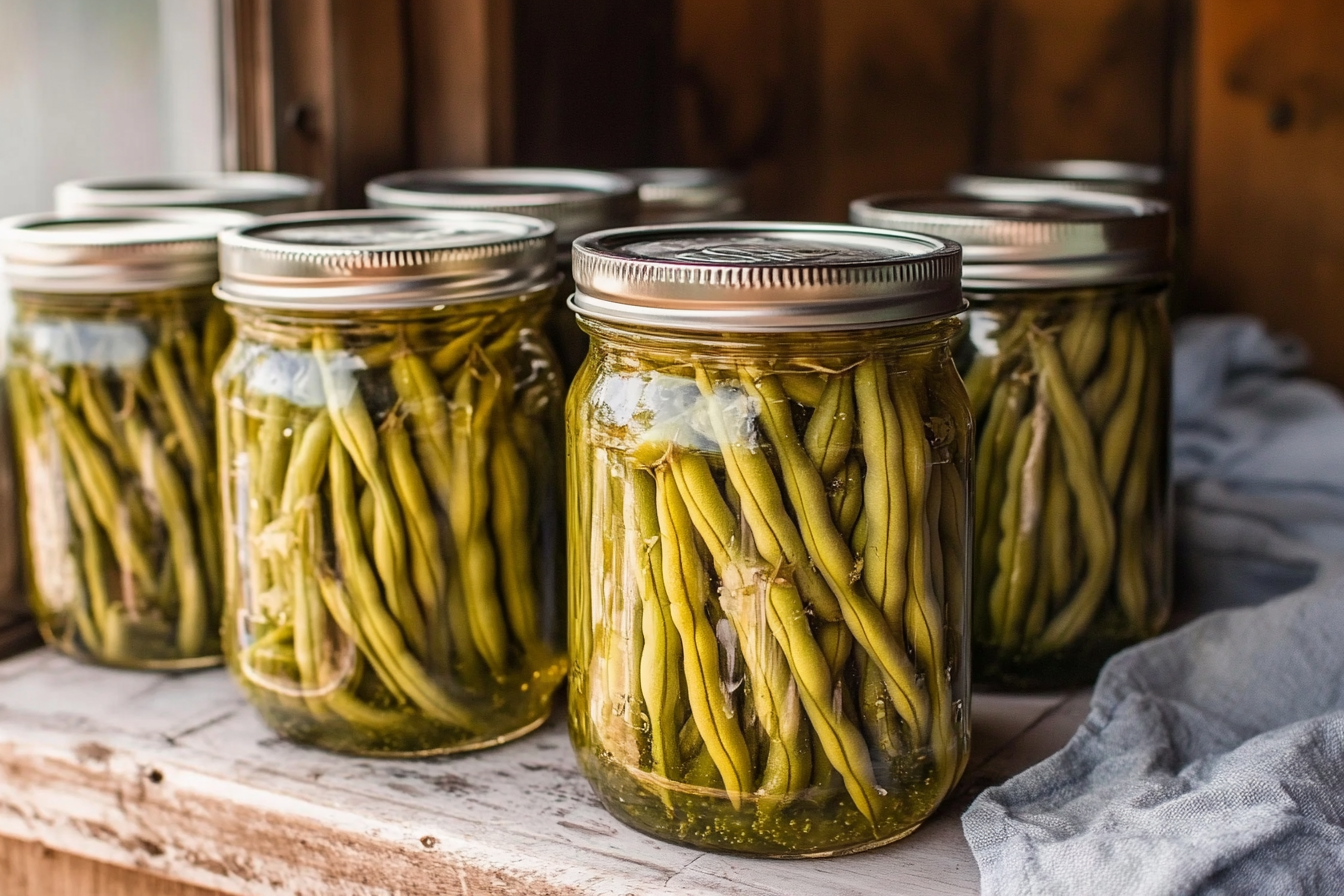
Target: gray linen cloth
<point>1212,761</point>
<point>1258,462</point>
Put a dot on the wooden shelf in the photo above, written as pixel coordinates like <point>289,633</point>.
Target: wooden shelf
<point>176,777</point>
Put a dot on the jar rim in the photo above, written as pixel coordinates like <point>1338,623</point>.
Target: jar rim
<point>762,277</point>
<point>384,259</point>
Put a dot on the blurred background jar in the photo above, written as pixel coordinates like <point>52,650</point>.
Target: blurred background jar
<point>1067,359</point>
<point>688,195</point>
<point>769,452</point>
<point>390,438</point>
<point>113,340</point>
<point>575,200</point>
<point>258,192</point>
<point>1071,175</point>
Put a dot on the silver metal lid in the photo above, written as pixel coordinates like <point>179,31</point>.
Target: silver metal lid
<point>576,201</point>
<point>686,195</point>
<point>259,192</point>
<point>1065,175</point>
<point>331,261</point>
<point>1085,239</point>
<point>135,250</point>
<point>759,277</point>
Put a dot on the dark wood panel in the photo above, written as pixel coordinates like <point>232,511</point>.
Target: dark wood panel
<point>30,869</point>
<point>1067,79</point>
<point>822,102</point>
<point>1268,175</point>
<point>461,82</point>
<point>368,52</point>
<point>593,82</point>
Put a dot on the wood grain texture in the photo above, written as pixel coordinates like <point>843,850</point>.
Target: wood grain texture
<point>593,82</point>
<point>1078,80</point>
<point>460,82</point>
<point>249,88</point>
<point>1268,179</point>
<point>30,869</point>
<point>175,776</point>
<point>820,103</point>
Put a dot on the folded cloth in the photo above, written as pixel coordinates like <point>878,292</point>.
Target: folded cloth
<point>1258,463</point>
<point>1212,762</point>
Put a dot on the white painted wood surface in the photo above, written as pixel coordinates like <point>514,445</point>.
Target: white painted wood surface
<point>176,776</point>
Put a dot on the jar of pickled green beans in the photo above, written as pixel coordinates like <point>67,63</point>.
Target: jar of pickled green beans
<point>769,451</point>
<point>575,200</point>
<point>1067,359</point>
<point>390,421</point>
<point>110,351</point>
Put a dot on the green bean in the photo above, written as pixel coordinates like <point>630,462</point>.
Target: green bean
<point>661,658</point>
<point>352,425</point>
<point>1096,524</point>
<point>884,553</point>
<point>1117,439</point>
<point>1102,393</point>
<point>1132,585</point>
<point>193,620</point>
<point>473,403</point>
<point>101,485</point>
<point>830,432</point>
<point>847,498</point>
<point>687,589</point>
<point>1009,515</point>
<point>509,525</point>
<point>96,405</point>
<point>833,557</point>
<point>1020,571</point>
<point>1082,341</point>
<point>777,539</point>
<point>90,609</point>
<point>449,358</point>
<point>380,630</point>
<point>806,389</point>
<point>216,332</point>
<point>742,598</point>
<point>840,739</point>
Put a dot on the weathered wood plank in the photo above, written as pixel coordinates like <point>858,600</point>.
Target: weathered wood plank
<point>176,776</point>
<point>30,869</point>
<point>1268,180</point>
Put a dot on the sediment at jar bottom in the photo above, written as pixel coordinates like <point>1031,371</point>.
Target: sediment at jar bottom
<point>117,458</point>
<point>388,595</point>
<point>1071,509</point>
<point>767,659</point>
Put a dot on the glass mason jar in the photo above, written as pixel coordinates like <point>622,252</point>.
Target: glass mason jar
<point>575,200</point>
<point>687,195</point>
<point>110,351</point>
<point>390,420</point>
<point>769,447</point>
<point>257,192</point>
<point>1068,364</point>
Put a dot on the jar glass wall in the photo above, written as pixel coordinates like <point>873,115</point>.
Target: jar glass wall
<point>393,480</point>
<point>1070,390</point>
<point>720,695</point>
<point>768,574</point>
<point>114,427</point>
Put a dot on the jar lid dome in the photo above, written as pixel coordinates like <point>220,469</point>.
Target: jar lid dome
<point>683,195</point>
<point>1083,239</point>
<point>259,192</point>
<point>577,201</point>
<point>756,277</point>
<point>1066,175</point>
<point>392,258</point>
<point>132,250</point>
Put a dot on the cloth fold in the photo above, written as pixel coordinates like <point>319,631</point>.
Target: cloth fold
<point>1212,761</point>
